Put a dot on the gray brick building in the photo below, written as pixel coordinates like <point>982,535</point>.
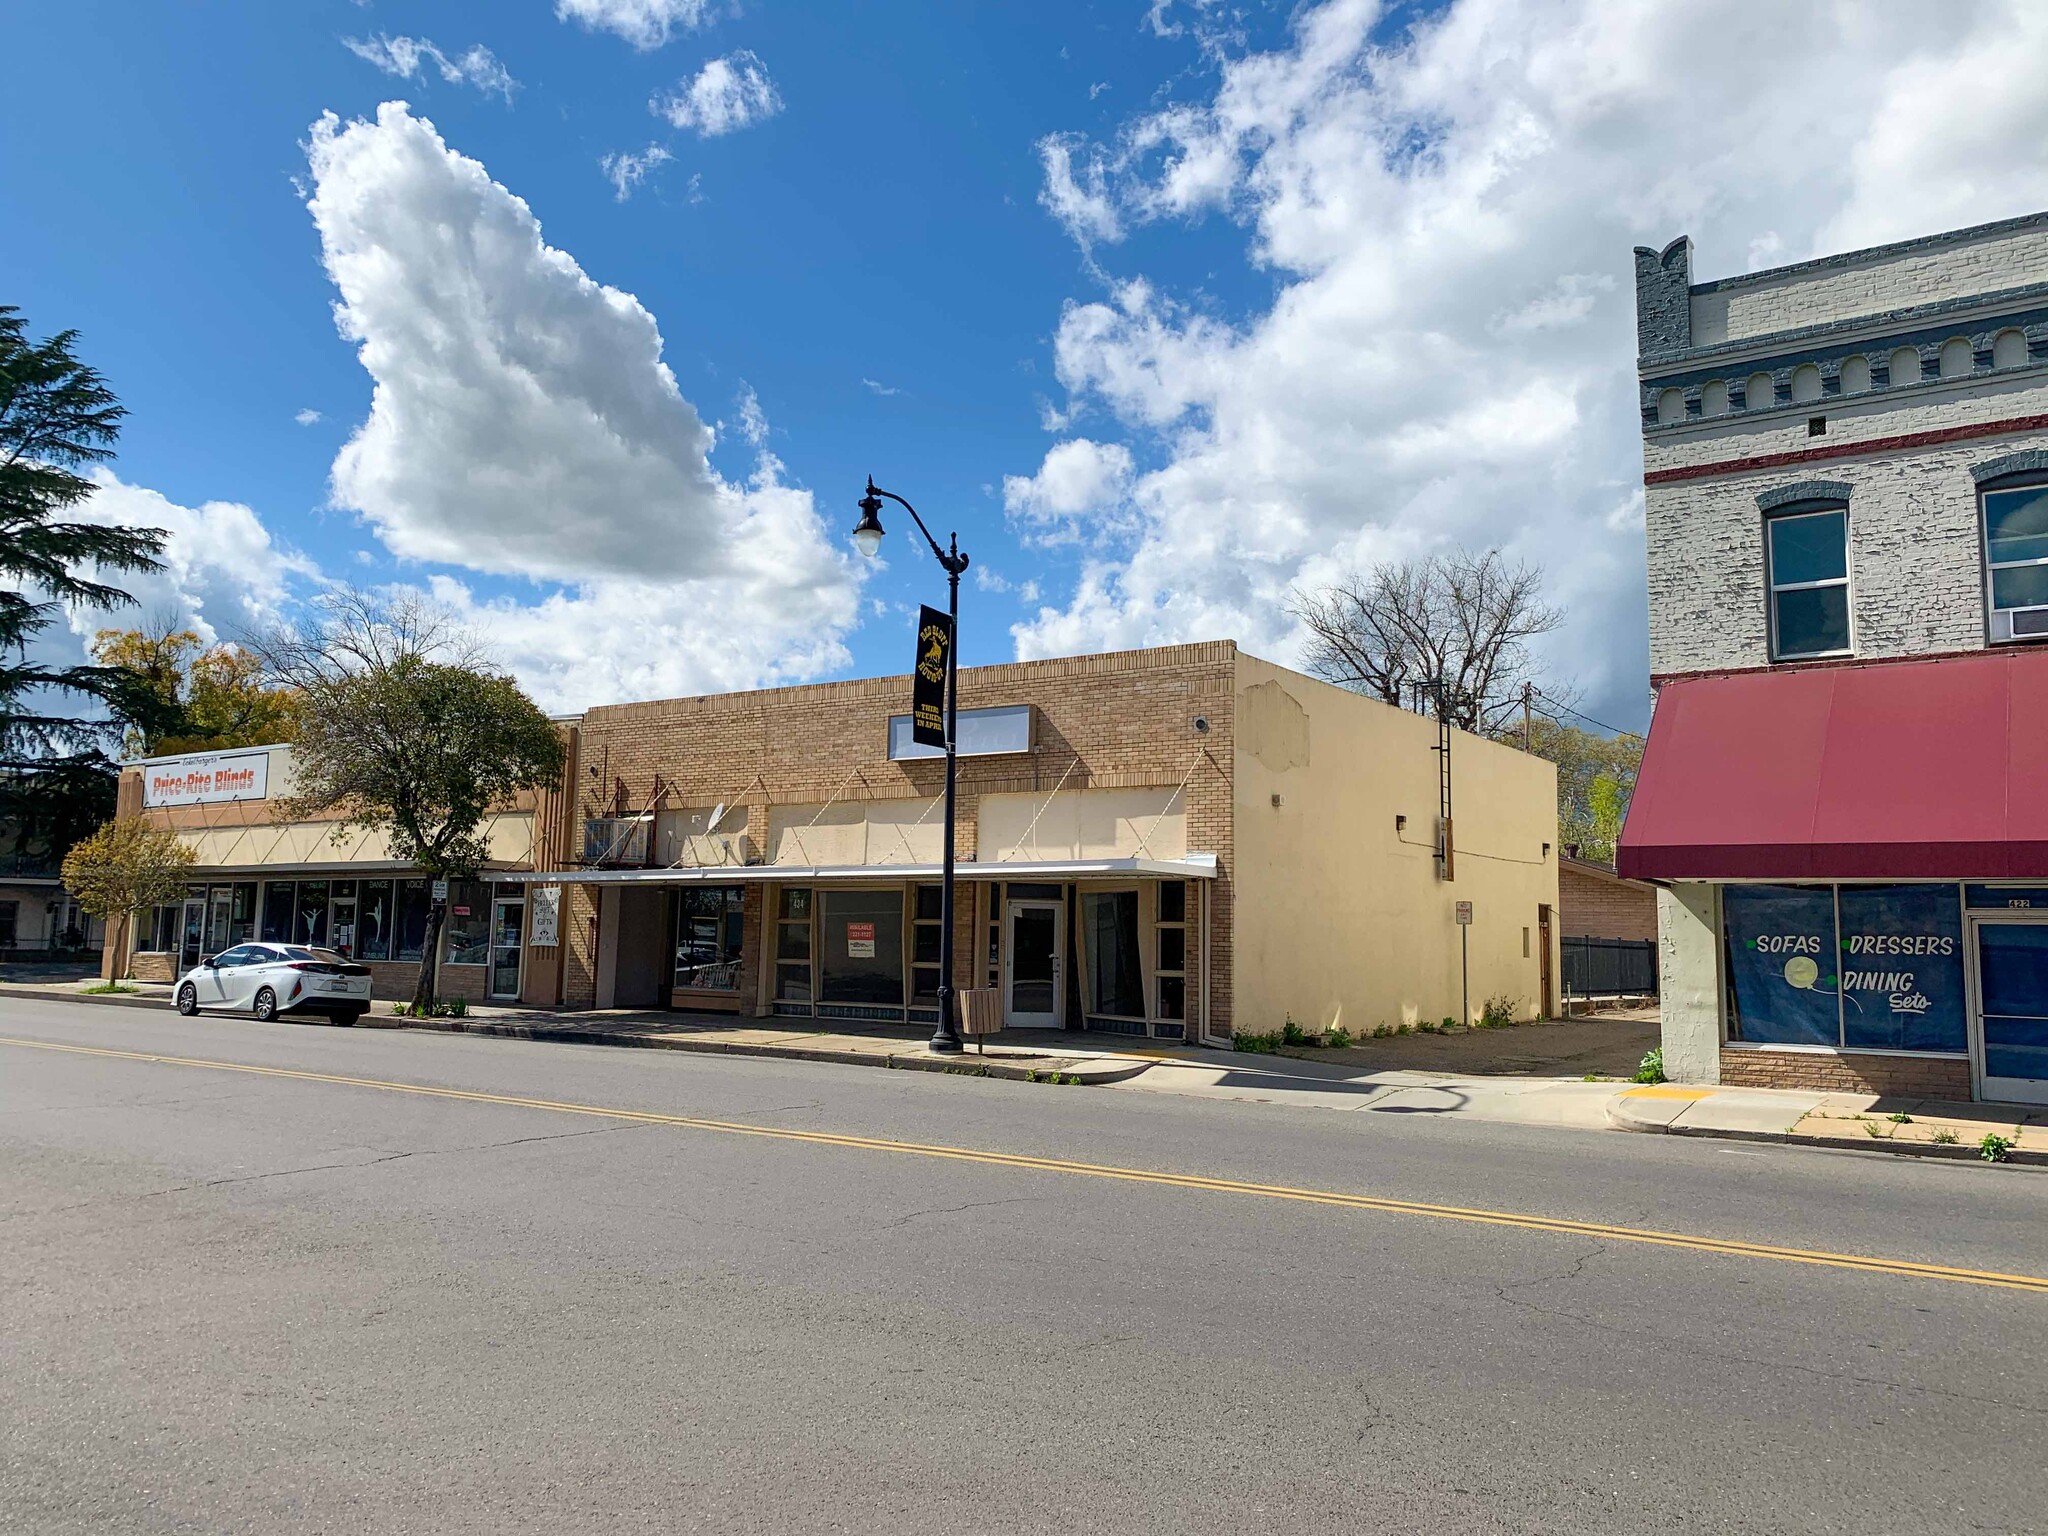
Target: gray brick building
<point>1846,504</point>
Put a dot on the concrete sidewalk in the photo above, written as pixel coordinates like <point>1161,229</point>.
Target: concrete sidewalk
<point>1861,1122</point>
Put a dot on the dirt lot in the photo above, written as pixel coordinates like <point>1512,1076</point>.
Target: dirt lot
<point>1610,1044</point>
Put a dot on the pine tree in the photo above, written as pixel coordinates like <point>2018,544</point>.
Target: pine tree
<point>57,417</point>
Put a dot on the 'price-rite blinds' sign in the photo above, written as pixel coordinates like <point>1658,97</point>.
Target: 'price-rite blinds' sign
<point>928,678</point>
<point>207,779</point>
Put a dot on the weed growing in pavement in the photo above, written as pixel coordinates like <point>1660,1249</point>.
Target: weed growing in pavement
<point>1292,1033</point>
<point>1336,1037</point>
<point>102,988</point>
<point>1901,1118</point>
<point>446,1008</point>
<point>1499,1012</point>
<point>1651,1069</point>
<point>1264,1044</point>
<point>1943,1137</point>
<point>1870,1129</point>
<point>1031,1074</point>
<point>1995,1148</point>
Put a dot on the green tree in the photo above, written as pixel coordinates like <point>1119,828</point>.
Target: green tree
<point>405,730</point>
<point>126,865</point>
<point>174,693</point>
<point>1596,776</point>
<point>57,417</point>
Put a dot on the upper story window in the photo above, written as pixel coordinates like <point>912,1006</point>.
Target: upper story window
<point>1807,551</point>
<point>2016,561</point>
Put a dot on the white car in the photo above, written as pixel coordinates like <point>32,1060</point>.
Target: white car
<point>271,979</point>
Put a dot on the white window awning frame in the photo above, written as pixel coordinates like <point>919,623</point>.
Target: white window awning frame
<point>1196,866</point>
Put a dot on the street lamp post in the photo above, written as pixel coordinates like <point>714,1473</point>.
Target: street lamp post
<point>867,538</point>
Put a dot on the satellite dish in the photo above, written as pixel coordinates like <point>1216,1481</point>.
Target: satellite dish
<point>717,815</point>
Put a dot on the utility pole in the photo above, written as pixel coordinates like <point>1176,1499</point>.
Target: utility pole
<point>1528,703</point>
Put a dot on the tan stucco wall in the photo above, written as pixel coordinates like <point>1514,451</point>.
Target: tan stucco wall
<point>293,843</point>
<point>1146,822</point>
<point>1341,919</point>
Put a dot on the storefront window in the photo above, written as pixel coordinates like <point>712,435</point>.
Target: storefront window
<point>311,919</point>
<point>413,898</point>
<point>925,944</point>
<point>860,945</point>
<point>1867,967</point>
<point>469,924</point>
<point>793,946</point>
<point>708,927</point>
<point>280,902</point>
<point>373,921</point>
<point>1115,978</point>
<point>1902,968</point>
<point>1782,981</point>
<point>1173,949</point>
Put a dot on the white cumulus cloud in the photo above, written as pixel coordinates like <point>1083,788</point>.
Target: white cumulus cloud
<point>523,423</point>
<point>646,24</point>
<point>724,96</point>
<point>1078,481</point>
<point>409,58</point>
<point>224,576</point>
<point>306,417</point>
<point>1445,215</point>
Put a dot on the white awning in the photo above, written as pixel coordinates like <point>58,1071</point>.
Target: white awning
<point>1196,866</point>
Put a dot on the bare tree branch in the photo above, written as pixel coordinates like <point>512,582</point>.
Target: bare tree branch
<point>1447,632</point>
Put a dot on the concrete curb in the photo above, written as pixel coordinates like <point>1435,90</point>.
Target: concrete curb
<point>1085,1073</point>
<point>1620,1117</point>
<point>59,995</point>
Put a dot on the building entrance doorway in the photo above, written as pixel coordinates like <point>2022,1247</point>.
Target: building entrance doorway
<point>192,942</point>
<point>341,925</point>
<point>1033,965</point>
<point>508,940</point>
<point>2010,966</point>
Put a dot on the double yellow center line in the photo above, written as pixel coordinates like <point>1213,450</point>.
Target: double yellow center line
<point>1715,1245</point>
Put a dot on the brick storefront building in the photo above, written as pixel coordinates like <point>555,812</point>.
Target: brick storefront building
<point>1183,842</point>
<point>1844,793</point>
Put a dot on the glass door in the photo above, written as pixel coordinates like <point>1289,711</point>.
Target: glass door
<point>1032,970</point>
<point>2012,1006</point>
<point>192,946</point>
<point>508,941</point>
<point>341,925</point>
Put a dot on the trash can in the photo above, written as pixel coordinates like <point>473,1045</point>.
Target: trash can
<point>981,1011</point>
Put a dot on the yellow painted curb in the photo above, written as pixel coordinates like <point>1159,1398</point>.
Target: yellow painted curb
<point>1668,1091</point>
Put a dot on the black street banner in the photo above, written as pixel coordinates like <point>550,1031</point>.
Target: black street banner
<point>928,679</point>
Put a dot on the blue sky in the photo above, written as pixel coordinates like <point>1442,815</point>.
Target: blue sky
<point>1280,291</point>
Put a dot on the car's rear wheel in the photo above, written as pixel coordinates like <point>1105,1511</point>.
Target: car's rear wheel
<point>266,1004</point>
<point>352,1015</point>
<point>188,1000</point>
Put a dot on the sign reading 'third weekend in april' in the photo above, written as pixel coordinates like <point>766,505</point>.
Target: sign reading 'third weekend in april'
<point>928,678</point>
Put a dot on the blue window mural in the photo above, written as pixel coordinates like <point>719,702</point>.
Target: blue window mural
<point>2013,971</point>
<point>1781,964</point>
<point>1888,976</point>
<point>1902,968</point>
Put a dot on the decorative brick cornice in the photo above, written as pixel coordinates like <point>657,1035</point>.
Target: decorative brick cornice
<point>1803,490</point>
<point>1869,446</point>
<point>1829,663</point>
<point>2010,464</point>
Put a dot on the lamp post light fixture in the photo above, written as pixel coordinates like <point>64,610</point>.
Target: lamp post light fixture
<point>867,538</point>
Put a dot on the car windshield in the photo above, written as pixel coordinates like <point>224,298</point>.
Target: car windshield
<point>298,952</point>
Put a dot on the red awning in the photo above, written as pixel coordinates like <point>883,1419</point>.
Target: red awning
<point>1898,770</point>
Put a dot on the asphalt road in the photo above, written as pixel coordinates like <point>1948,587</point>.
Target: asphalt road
<point>269,1303</point>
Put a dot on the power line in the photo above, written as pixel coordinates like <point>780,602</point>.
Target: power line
<point>1612,730</point>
